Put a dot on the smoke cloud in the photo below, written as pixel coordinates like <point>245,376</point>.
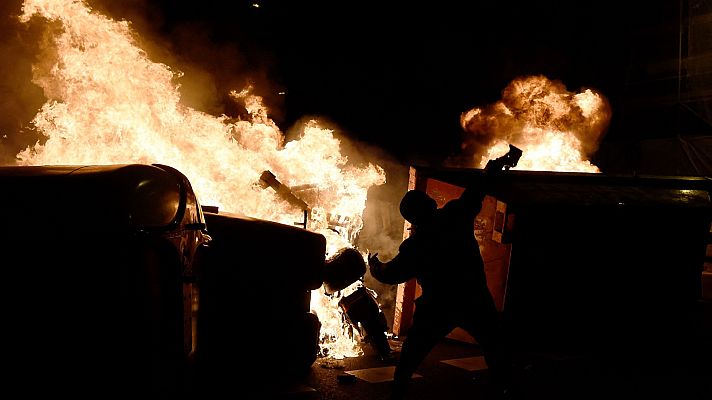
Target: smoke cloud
<point>20,98</point>
<point>210,64</point>
<point>382,231</point>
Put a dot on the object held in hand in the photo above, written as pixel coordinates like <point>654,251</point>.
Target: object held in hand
<point>513,156</point>
<point>506,161</point>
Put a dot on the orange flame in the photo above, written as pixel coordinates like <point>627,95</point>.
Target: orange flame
<point>556,129</point>
<point>109,104</point>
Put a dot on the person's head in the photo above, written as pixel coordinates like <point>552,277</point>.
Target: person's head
<point>417,207</point>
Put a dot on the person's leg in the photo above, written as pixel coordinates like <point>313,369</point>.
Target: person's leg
<point>429,326</point>
<point>484,324</point>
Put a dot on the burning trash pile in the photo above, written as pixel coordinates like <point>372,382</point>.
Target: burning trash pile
<point>359,312</point>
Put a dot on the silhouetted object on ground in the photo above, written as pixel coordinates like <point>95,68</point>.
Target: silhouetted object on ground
<point>254,311</point>
<point>442,253</point>
<point>362,309</point>
<point>343,269</point>
<point>98,261</point>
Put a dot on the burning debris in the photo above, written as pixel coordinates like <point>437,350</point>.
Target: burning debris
<point>267,179</point>
<point>343,279</point>
<point>343,269</point>
<point>364,314</point>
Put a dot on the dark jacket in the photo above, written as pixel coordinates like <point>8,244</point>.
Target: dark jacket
<point>443,255</point>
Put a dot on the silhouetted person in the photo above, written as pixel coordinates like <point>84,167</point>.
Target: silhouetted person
<point>442,253</point>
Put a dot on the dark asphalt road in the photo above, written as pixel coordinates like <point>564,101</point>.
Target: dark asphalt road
<point>539,376</point>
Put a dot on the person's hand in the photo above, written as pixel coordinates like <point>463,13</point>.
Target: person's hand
<point>373,260</point>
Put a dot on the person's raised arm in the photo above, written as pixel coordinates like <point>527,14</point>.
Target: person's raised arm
<point>476,192</point>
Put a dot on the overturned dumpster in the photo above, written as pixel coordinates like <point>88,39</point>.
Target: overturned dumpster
<point>255,331</point>
<point>97,262</point>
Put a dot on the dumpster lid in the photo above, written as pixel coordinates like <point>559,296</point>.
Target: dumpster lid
<point>583,189</point>
<point>92,197</point>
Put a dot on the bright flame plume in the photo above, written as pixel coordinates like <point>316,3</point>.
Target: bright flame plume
<point>556,129</point>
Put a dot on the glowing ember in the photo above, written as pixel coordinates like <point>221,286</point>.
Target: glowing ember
<point>109,104</point>
<point>557,130</point>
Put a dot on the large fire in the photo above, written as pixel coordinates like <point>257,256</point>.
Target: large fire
<point>108,103</point>
<point>557,130</point>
